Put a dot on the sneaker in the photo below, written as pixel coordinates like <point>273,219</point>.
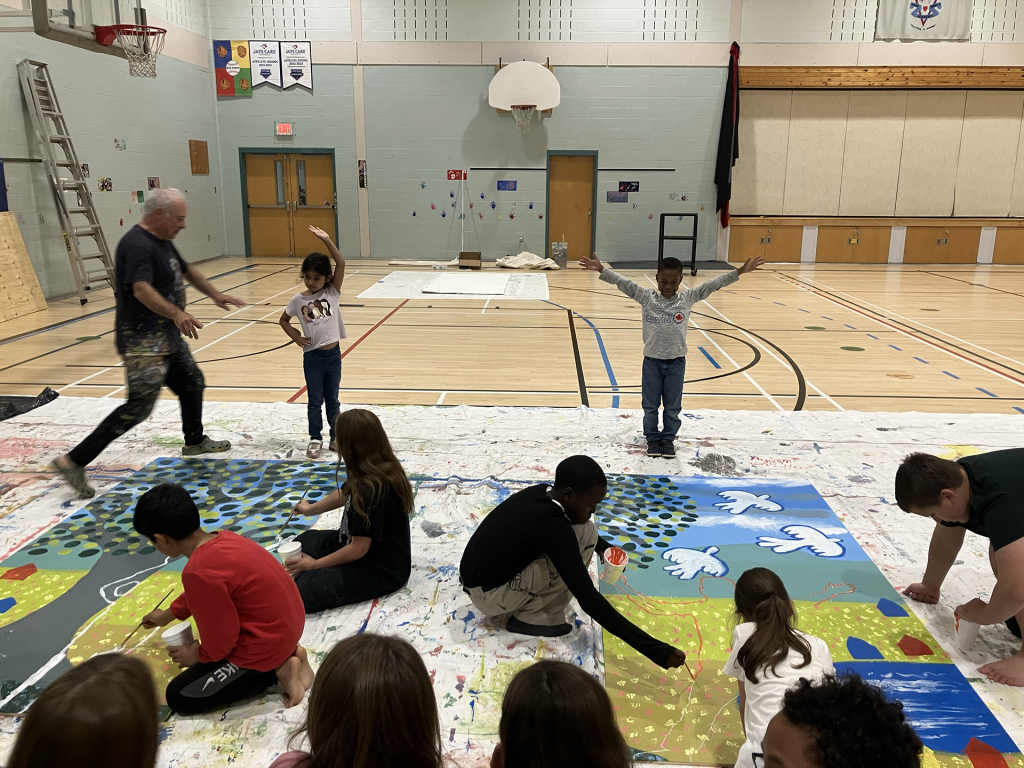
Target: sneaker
<point>537,630</point>
<point>654,447</point>
<point>333,445</point>
<point>74,475</point>
<point>207,446</point>
<point>314,449</point>
<point>668,449</point>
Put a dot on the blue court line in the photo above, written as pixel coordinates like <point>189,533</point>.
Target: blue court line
<point>986,392</point>
<point>895,347</point>
<point>921,361</point>
<point>779,303</point>
<point>710,358</point>
<point>951,374</point>
<point>600,346</point>
<point>1016,408</point>
<point>827,318</point>
<point>870,336</point>
<point>850,326</point>
<point>756,297</point>
<point>804,310</point>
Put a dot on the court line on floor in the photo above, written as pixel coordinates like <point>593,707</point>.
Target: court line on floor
<point>600,345</point>
<point>926,341</point>
<point>584,399</point>
<point>354,344</point>
<point>978,285</point>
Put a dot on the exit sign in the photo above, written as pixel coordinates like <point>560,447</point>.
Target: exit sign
<point>284,129</point>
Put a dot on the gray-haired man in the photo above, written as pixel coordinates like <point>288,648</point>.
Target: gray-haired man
<point>149,322</point>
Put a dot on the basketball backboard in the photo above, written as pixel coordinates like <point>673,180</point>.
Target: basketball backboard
<point>523,82</point>
<point>72,21</point>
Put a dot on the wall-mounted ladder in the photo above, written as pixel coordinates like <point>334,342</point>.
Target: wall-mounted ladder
<point>78,221</point>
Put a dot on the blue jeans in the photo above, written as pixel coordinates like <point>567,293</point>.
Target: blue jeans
<point>322,368</point>
<point>662,382</point>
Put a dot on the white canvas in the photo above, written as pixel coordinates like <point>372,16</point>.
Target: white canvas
<point>923,20</point>
<point>482,285</point>
<point>529,286</point>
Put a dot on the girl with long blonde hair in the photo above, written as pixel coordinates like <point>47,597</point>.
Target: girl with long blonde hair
<point>369,556</point>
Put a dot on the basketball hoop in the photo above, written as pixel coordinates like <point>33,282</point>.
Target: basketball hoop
<point>522,114</point>
<point>142,44</point>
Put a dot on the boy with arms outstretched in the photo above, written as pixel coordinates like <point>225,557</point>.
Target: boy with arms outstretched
<point>246,606</point>
<point>666,312</point>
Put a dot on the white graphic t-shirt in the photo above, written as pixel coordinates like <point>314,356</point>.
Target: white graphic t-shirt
<point>320,316</point>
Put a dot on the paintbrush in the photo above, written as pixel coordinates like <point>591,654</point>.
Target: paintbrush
<point>706,694</point>
<point>132,633</point>
<point>288,519</point>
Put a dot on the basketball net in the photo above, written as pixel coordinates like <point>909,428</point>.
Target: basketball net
<point>142,45</point>
<point>522,114</point>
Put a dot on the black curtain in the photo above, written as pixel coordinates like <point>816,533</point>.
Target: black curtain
<point>728,137</point>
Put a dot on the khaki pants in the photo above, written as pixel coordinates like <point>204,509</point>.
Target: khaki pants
<point>537,594</point>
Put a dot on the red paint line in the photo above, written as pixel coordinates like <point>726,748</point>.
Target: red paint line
<point>355,344</point>
<point>929,342</point>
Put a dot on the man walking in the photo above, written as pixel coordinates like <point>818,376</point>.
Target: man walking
<point>149,321</point>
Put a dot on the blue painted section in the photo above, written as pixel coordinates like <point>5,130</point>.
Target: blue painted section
<point>893,610</point>
<point>952,375</point>
<point>862,649</point>
<point>939,702</point>
<point>895,347</point>
<point>7,603</point>
<point>604,353</point>
<point>710,358</point>
<point>921,361</point>
<point>985,391</point>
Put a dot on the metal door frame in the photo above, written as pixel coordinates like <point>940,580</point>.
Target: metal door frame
<point>547,196</point>
<point>243,151</point>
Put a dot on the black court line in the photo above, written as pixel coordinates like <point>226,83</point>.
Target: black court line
<point>977,285</point>
<point>579,363</point>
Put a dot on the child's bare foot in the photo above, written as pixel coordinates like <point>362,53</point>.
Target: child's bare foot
<point>289,675</point>
<point>306,671</point>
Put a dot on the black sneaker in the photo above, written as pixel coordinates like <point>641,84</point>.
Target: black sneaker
<point>537,630</point>
<point>654,448</point>
<point>668,449</point>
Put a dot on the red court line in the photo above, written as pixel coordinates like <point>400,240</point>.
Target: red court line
<point>355,344</point>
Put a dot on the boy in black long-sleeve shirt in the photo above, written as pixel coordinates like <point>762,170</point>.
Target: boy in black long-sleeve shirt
<point>530,556</point>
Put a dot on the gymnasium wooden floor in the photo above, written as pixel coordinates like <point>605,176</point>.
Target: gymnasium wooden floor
<point>938,338</point>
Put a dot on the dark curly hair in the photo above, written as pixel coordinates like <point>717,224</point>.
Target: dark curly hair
<point>852,724</point>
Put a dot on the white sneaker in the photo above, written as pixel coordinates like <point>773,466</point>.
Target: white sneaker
<point>314,448</point>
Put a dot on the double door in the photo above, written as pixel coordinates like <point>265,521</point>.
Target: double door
<point>285,195</point>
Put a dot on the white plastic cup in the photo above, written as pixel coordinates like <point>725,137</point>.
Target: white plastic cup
<point>290,550</point>
<point>966,632</point>
<point>615,561</point>
<point>178,635</point>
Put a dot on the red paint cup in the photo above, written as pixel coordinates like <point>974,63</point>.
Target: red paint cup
<point>615,561</point>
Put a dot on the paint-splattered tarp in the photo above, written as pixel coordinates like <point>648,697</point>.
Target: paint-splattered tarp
<point>850,458</point>
<point>689,539</point>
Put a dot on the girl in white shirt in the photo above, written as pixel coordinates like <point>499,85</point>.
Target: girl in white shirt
<point>768,654</point>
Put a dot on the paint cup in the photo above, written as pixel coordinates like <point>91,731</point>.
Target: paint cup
<point>615,560</point>
<point>289,550</point>
<point>966,632</point>
<point>178,635</point>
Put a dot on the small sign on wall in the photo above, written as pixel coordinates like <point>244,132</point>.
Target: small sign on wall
<point>362,174</point>
<point>617,197</point>
<point>507,186</point>
<point>629,186</point>
<point>456,175</point>
<point>231,64</point>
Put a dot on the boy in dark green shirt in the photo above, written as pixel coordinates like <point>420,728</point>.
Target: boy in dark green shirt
<point>983,494</point>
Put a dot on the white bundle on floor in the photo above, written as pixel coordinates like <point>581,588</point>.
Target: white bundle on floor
<point>525,260</point>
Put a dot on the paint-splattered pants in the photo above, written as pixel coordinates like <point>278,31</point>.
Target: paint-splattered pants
<point>146,374</point>
<point>537,594</point>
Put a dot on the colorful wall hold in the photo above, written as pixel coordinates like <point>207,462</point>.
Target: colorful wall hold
<point>231,67</point>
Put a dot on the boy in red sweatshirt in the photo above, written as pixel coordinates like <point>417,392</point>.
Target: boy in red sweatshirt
<point>247,609</point>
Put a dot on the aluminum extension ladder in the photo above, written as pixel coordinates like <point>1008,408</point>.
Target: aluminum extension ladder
<point>79,222</point>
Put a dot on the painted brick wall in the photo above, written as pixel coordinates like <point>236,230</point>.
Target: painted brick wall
<point>101,102</point>
<point>323,119</point>
<point>421,121</point>
<point>280,19</point>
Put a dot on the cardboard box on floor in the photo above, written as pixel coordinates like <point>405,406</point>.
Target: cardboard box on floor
<point>470,260</point>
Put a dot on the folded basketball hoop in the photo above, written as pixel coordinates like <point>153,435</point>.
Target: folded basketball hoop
<point>141,43</point>
<point>524,88</point>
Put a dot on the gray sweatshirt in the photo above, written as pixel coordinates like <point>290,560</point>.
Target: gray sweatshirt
<point>665,319</point>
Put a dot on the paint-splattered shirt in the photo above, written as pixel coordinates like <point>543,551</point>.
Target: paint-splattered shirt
<point>664,319</point>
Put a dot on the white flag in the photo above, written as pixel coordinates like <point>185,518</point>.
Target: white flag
<point>265,62</point>
<point>297,63</point>
<point>923,20</point>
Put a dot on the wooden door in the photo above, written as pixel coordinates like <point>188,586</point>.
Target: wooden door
<point>942,245</point>
<point>269,215</point>
<point>1009,246</point>
<point>571,203</point>
<point>783,243</point>
<point>834,246</point>
<point>746,242</point>
<point>312,201</point>
<point>872,246</point>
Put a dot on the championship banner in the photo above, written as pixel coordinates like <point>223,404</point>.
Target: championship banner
<point>265,59</point>
<point>913,20</point>
<point>297,63</point>
<point>231,64</point>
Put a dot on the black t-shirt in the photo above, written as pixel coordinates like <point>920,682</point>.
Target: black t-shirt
<point>526,526</point>
<point>997,496</point>
<point>388,562</point>
<point>144,257</point>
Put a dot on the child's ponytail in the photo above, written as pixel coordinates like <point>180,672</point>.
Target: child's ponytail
<point>761,597</point>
